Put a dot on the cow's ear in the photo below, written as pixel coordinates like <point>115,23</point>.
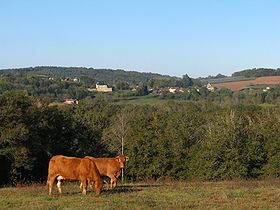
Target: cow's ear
<point>126,158</point>
<point>117,158</point>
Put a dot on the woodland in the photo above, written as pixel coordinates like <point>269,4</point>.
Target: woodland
<point>203,135</point>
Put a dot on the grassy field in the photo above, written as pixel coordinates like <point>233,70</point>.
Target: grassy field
<point>175,195</point>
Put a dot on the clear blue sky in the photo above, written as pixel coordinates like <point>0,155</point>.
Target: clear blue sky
<point>173,37</point>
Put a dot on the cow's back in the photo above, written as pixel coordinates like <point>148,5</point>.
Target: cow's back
<point>106,166</point>
<point>67,167</point>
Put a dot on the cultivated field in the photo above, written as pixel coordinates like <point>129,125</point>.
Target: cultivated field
<point>271,80</point>
<point>175,195</point>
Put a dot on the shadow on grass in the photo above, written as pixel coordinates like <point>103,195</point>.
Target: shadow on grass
<point>117,190</point>
<point>129,188</point>
<point>124,189</point>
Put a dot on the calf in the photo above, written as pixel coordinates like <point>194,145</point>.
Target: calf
<point>110,167</point>
<point>72,168</point>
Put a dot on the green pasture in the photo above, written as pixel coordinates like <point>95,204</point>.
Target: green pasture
<point>151,195</point>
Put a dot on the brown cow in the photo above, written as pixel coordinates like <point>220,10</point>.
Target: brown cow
<point>110,167</point>
<point>72,168</point>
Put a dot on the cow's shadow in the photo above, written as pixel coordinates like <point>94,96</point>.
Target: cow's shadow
<point>128,189</point>
<point>117,190</point>
<point>122,189</point>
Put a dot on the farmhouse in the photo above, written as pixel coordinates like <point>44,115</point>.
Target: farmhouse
<point>103,88</point>
<point>210,87</point>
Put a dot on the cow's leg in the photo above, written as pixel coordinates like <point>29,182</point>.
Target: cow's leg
<point>59,180</point>
<point>107,185</point>
<point>50,184</point>
<point>91,184</point>
<point>97,185</point>
<point>88,183</point>
<point>84,185</point>
<point>59,186</point>
<point>113,182</point>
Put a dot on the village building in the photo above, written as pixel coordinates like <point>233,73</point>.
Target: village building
<point>69,79</point>
<point>103,88</point>
<point>266,89</point>
<point>210,87</point>
<point>76,79</point>
<point>172,89</point>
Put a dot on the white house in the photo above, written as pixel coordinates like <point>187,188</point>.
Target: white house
<point>210,87</point>
<point>103,88</point>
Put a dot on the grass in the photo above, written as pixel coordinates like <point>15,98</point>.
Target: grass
<point>171,195</point>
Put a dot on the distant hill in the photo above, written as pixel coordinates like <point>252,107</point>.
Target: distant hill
<point>257,72</point>
<point>98,75</point>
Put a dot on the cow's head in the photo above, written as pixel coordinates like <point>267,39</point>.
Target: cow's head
<point>121,160</point>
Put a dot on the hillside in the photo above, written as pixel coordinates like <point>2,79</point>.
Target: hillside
<point>225,79</point>
<point>257,72</point>
<point>98,75</point>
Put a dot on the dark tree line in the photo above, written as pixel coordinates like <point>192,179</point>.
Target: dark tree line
<point>58,90</point>
<point>31,132</point>
<point>107,76</point>
<point>53,90</point>
<point>49,82</point>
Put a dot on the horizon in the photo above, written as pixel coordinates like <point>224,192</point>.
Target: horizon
<point>19,68</point>
<point>198,38</point>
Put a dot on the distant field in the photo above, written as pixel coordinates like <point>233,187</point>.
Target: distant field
<point>225,79</point>
<point>271,80</point>
<point>175,195</point>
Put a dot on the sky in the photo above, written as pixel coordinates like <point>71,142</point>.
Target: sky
<point>170,37</point>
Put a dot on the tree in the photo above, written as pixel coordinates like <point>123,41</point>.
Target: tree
<point>14,131</point>
<point>142,90</point>
<point>187,81</point>
<point>122,86</point>
<point>232,147</point>
<point>116,134</point>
